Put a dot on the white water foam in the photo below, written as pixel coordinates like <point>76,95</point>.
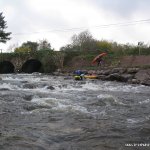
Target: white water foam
<point>74,86</point>
<point>121,88</point>
<point>133,121</point>
<point>109,86</point>
<point>9,86</point>
<point>59,104</point>
<point>107,97</point>
<point>145,101</point>
<point>136,121</point>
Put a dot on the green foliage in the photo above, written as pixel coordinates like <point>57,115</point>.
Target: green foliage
<point>22,49</point>
<point>83,49</point>
<point>85,44</point>
<point>69,48</point>
<point>47,59</point>
<point>4,36</point>
<point>81,42</point>
<point>69,55</point>
<point>104,45</point>
<point>41,51</point>
<point>58,57</point>
<point>44,45</point>
<point>84,41</point>
<point>33,46</point>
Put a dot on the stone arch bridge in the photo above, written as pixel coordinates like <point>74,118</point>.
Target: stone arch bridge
<point>16,63</point>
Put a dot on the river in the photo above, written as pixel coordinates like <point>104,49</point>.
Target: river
<point>43,112</point>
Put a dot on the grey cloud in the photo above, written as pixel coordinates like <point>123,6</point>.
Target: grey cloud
<point>26,18</point>
<point>28,21</point>
<point>123,8</point>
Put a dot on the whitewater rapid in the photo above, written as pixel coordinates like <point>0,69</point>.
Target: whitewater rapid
<point>43,112</point>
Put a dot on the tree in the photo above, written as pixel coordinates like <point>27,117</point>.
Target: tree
<point>22,49</point>
<point>27,47</point>
<point>66,48</point>
<point>84,41</point>
<point>44,45</point>
<point>59,59</point>
<point>104,45</point>
<point>4,36</point>
<point>32,45</point>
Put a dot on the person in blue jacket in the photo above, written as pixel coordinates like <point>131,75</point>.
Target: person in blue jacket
<point>79,74</point>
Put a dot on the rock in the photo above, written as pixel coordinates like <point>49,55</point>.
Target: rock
<point>127,77</point>
<point>119,77</point>
<point>29,86</point>
<point>134,81</point>
<point>51,88</point>
<point>101,77</point>
<point>56,73</point>
<point>146,82</point>
<point>91,72</point>
<point>113,77</point>
<point>123,70</point>
<point>24,81</point>
<point>132,70</point>
<point>28,97</point>
<point>143,75</point>
<point>106,72</point>
<point>64,85</point>
<point>0,78</point>
<point>4,89</point>
<point>99,72</point>
<point>115,70</point>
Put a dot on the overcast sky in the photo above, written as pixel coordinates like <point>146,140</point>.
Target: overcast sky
<point>58,20</point>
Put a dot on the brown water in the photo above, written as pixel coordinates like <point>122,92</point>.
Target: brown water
<point>41,112</point>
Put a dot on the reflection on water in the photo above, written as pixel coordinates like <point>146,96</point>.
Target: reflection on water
<point>41,112</point>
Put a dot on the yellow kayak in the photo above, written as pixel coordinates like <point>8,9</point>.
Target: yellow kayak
<point>77,78</point>
<point>90,76</point>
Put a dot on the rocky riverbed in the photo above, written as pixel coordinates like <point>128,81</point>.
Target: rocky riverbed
<point>128,75</point>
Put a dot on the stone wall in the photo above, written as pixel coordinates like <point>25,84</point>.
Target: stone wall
<point>132,61</point>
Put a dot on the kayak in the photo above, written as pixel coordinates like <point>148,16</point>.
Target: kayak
<point>98,57</point>
<point>85,77</point>
<point>77,78</point>
<point>90,77</point>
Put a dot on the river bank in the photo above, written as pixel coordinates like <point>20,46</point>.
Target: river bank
<point>128,69</point>
<point>128,75</point>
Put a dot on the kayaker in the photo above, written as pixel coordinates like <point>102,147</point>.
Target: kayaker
<point>79,75</point>
<point>99,61</point>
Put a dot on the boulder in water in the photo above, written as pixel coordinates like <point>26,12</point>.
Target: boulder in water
<point>132,70</point>
<point>29,86</point>
<point>51,88</point>
<point>143,76</point>
<point>119,77</point>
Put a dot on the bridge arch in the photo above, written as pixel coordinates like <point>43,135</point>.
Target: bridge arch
<point>31,65</point>
<point>6,67</point>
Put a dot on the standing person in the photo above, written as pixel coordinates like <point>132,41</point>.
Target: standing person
<point>99,61</point>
